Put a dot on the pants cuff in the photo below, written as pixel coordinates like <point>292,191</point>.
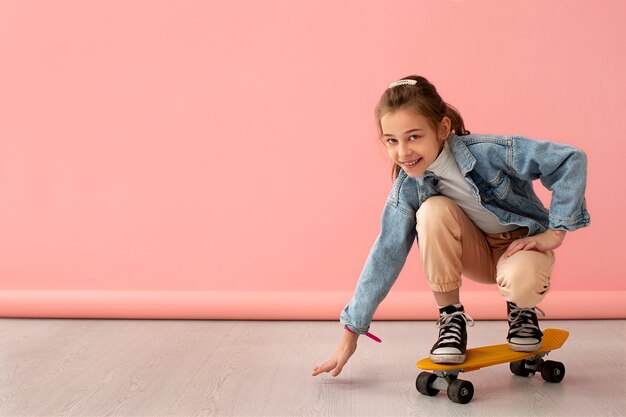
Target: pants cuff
<point>444,286</point>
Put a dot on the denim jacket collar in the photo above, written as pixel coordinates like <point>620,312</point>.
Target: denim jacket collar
<point>462,155</point>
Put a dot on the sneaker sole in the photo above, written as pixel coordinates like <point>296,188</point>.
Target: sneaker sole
<point>447,358</point>
<point>525,348</point>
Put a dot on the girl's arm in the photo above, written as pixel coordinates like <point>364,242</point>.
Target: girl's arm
<point>562,169</point>
<point>385,260</point>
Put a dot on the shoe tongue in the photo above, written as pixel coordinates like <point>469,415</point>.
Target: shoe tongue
<point>450,309</point>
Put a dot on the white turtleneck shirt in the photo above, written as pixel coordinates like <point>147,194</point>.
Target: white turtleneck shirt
<point>452,184</point>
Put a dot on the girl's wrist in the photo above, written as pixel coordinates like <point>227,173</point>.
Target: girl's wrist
<point>560,234</point>
<point>350,335</point>
<point>557,232</point>
<point>356,335</point>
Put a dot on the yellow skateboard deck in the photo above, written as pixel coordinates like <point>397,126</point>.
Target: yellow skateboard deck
<point>481,357</point>
<point>445,376</point>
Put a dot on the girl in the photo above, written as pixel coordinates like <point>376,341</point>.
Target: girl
<point>468,201</point>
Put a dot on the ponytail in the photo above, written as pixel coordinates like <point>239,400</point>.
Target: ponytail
<point>457,121</point>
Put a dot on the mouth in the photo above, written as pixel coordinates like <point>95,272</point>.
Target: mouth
<point>411,163</point>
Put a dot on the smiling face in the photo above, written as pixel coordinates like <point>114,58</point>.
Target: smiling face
<point>411,140</point>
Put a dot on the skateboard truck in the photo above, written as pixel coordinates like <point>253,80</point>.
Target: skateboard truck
<point>551,371</point>
<point>459,391</point>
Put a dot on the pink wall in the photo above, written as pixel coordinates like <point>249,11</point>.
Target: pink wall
<point>230,146</point>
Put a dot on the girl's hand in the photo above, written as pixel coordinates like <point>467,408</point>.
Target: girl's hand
<point>548,240</point>
<point>338,360</point>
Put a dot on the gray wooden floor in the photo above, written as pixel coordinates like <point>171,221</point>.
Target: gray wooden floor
<point>67,367</point>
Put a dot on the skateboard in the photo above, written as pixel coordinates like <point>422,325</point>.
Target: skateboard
<point>444,376</point>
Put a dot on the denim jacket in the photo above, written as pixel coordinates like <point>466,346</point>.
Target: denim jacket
<point>500,170</point>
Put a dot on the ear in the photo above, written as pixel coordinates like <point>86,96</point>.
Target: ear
<point>444,127</point>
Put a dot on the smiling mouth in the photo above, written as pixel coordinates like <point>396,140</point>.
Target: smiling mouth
<point>411,163</point>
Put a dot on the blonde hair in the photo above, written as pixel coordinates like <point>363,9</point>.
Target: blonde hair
<point>422,98</point>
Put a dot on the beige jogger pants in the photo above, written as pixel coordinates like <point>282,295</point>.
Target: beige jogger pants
<point>451,245</point>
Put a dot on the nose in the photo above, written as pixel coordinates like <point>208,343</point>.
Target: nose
<point>404,150</point>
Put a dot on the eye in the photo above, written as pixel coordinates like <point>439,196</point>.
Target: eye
<point>388,140</point>
<point>414,136</point>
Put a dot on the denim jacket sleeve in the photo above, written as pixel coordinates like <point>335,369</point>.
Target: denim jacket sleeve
<point>386,258</point>
<point>562,169</point>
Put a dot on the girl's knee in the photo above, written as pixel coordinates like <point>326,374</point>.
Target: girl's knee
<point>434,202</point>
<point>526,287</point>
<point>433,208</point>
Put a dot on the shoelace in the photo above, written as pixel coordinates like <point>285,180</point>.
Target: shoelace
<point>452,330</point>
<point>522,322</point>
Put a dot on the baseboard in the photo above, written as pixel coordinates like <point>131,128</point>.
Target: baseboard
<point>286,305</point>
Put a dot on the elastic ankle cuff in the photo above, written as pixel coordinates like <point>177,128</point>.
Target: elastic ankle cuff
<point>444,286</point>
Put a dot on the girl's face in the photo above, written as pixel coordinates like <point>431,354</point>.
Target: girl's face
<point>411,141</point>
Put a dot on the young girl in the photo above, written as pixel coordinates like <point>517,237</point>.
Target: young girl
<point>468,201</point>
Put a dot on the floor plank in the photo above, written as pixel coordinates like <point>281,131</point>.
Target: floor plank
<point>69,367</point>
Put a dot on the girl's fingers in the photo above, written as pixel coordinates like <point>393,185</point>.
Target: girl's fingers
<point>325,367</point>
<point>530,245</point>
<point>512,249</point>
<point>318,370</point>
<point>520,245</point>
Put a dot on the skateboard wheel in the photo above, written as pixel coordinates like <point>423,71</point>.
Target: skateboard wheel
<point>424,383</point>
<point>460,391</point>
<point>519,368</point>
<point>553,371</point>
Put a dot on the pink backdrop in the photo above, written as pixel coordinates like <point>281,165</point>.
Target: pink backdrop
<point>213,147</point>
